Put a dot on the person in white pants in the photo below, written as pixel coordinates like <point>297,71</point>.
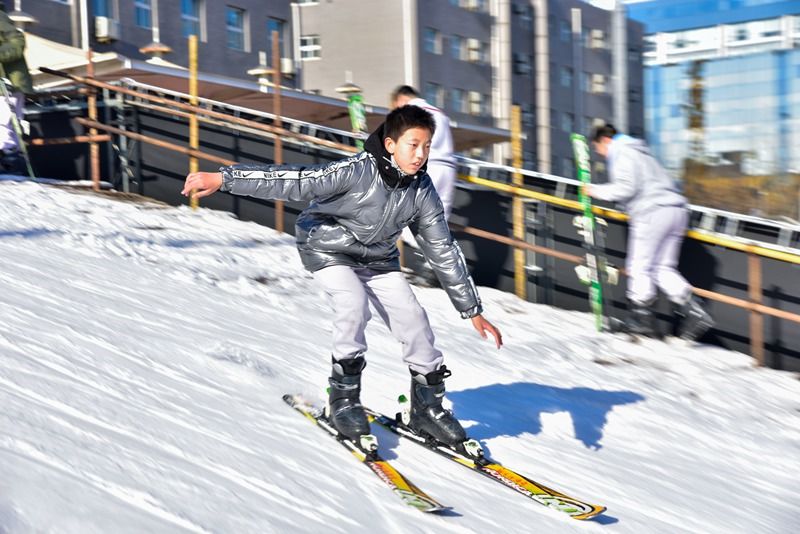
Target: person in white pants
<point>658,220</point>
<point>441,162</point>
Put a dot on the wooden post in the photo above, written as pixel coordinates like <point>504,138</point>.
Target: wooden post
<point>94,148</point>
<point>276,110</point>
<point>194,134</point>
<point>756,318</point>
<point>518,215</point>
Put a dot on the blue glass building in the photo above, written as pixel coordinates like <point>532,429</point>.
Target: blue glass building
<point>722,84</point>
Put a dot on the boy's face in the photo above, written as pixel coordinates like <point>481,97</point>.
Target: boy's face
<point>411,149</point>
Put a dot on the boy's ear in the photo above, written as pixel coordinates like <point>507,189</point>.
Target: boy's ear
<point>389,145</point>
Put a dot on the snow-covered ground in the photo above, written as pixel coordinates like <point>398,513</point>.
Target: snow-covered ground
<point>144,350</point>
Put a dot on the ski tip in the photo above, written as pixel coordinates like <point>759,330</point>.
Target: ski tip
<point>596,511</point>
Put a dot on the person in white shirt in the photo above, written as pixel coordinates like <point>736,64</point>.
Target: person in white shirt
<point>441,162</point>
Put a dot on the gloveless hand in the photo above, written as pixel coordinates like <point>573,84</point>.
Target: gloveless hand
<point>202,184</point>
<point>483,326</point>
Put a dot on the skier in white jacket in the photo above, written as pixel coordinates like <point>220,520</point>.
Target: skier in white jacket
<point>658,220</point>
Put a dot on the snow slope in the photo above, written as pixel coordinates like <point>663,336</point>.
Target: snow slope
<point>144,350</point>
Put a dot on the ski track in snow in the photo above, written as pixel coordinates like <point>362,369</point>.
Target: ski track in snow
<point>144,350</point>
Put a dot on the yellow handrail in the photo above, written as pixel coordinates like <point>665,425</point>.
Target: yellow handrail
<point>616,215</point>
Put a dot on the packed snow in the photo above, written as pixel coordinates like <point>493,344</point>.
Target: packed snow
<point>144,350</point>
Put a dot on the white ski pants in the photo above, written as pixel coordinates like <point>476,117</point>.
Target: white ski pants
<point>653,250</point>
<point>351,290</point>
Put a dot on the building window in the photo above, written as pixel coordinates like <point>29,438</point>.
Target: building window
<point>142,13</point>
<point>475,103</point>
<point>527,115</point>
<point>634,96</point>
<point>486,106</point>
<point>275,25</point>
<point>597,39</point>
<point>598,84</point>
<point>564,31</point>
<point>457,100</point>
<point>456,46</point>
<point>523,13</point>
<point>102,8</point>
<point>432,41</point>
<point>475,5</point>
<point>565,76</point>
<point>583,82</point>
<point>522,64</point>
<point>310,47</point>
<point>434,94</point>
<point>568,122</point>
<point>474,51</point>
<point>190,17</point>
<point>234,24</point>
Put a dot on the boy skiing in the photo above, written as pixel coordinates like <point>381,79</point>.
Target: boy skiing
<point>347,238</point>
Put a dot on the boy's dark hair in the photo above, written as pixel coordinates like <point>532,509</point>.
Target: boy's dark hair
<point>405,90</point>
<point>607,130</point>
<point>405,118</point>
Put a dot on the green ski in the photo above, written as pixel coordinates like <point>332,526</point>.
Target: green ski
<point>587,224</point>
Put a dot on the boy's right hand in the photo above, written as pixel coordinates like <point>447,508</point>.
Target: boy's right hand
<point>202,184</point>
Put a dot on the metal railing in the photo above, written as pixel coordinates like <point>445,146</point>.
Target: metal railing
<point>470,171</point>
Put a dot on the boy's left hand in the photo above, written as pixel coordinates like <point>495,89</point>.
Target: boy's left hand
<point>483,326</point>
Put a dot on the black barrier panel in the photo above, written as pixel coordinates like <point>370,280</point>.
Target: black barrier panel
<point>706,266</point>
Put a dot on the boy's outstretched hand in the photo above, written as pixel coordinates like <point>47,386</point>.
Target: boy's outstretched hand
<point>483,326</point>
<point>202,184</point>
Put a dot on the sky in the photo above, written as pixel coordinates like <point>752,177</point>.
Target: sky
<point>144,350</point>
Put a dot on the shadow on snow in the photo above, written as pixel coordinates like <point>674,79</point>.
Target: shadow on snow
<point>515,409</point>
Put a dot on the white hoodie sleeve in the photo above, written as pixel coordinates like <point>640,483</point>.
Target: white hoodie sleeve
<point>622,184</point>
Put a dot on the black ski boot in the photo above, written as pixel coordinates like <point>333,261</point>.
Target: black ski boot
<point>641,320</point>
<point>345,411</point>
<point>427,417</point>
<point>695,320</point>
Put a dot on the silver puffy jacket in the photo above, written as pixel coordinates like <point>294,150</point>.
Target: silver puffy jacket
<point>358,209</point>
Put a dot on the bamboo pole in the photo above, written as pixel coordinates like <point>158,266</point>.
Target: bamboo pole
<point>756,319</point>
<point>517,209</point>
<point>41,141</point>
<point>194,134</point>
<point>94,148</point>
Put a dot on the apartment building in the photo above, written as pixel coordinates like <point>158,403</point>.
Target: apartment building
<point>721,84</point>
<point>566,63</point>
<point>232,37</point>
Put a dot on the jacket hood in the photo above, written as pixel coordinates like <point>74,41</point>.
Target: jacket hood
<point>621,141</point>
<point>390,173</point>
